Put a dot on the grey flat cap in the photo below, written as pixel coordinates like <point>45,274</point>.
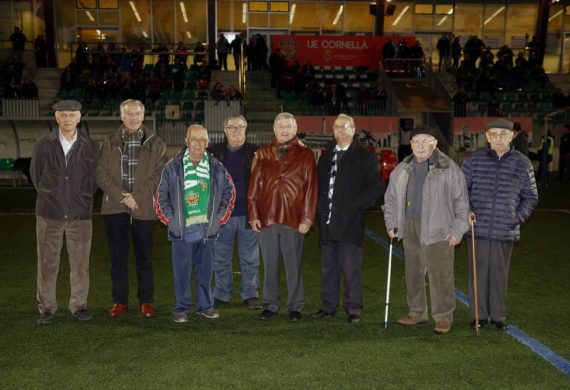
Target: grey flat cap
<point>423,129</point>
<point>500,124</point>
<point>67,105</point>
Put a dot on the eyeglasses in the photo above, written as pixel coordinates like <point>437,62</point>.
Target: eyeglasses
<point>501,135</point>
<point>422,142</point>
<point>234,128</point>
<point>341,127</point>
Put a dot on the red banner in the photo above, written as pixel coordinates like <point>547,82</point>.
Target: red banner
<point>335,50</point>
<point>379,126</point>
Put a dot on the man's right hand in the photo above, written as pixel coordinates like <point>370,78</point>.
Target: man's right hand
<point>393,233</point>
<point>256,225</point>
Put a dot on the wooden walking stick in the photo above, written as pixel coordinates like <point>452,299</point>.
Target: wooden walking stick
<point>474,265</point>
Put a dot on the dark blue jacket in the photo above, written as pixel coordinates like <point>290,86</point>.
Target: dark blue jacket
<point>502,193</point>
<point>169,205</point>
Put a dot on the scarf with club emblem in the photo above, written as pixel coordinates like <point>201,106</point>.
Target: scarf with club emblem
<point>196,189</point>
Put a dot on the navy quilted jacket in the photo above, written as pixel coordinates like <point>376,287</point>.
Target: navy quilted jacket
<point>502,193</point>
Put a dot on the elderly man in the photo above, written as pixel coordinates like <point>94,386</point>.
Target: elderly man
<point>128,172</point>
<point>502,195</point>
<point>282,198</point>
<point>426,206</point>
<point>237,156</point>
<point>194,199</point>
<point>349,183</point>
<point>63,173</point>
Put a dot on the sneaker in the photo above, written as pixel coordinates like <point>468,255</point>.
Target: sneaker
<point>295,316</point>
<point>219,302</point>
<point>409,321</point>
<point>267,315</point>
<point>353,319</point>
<point>45,318</point>
<point>210,313</point>
<point>180,317</point>
<point>252,303</point>
<point>83,315</point>
<point>322,314</point>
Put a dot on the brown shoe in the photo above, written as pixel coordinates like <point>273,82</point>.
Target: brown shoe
<point>442,327</point>
<point>409,321</point>
<point>147,311</point>
<point>117,310</point>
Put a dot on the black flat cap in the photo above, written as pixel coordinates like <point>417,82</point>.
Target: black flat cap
<point>67,105</point>
<point>423,129</point>
<point>500,124</point>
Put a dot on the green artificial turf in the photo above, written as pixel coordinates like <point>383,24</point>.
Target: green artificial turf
<point>238,351</point>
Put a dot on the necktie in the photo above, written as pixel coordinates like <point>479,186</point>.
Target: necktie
<point>331,183</point>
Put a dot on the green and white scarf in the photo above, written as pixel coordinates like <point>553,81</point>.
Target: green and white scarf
<point>196,189</point>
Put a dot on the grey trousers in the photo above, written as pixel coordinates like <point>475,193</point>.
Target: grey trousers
<point>278,241</point>
<point>437,261</point>
<point>341,258</point>
<point>49,234</point>
<point>493,260</point>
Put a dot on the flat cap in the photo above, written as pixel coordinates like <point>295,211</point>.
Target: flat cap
<point>67,105</point>
<point>500,124</point>
<point>423,129</point>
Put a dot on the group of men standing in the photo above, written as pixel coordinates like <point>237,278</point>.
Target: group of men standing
<point>268,198</point>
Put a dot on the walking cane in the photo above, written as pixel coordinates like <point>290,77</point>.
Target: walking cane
<point>389,277</point>
<point>474,265</point>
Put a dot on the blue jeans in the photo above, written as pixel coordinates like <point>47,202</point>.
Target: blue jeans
<point>248,249</point>
<point>185,256</point>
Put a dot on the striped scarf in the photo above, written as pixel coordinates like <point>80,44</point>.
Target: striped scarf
<point>331,183</point>
<point>130,158</point>
<point>196,189</point>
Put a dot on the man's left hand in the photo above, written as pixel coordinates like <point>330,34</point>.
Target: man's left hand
<point>129,201</point>
<point>304,227</point>
<point>452,240</point>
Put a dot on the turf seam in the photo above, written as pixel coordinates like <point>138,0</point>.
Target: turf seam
<point>534,345</point>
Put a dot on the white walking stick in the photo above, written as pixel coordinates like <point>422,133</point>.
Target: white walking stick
<point>389,278</point>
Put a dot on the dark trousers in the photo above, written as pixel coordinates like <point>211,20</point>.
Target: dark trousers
<point>118,227</point>
<point>337,258</point>
<point>493,261</point>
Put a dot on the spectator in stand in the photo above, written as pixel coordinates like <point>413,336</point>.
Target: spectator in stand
<point>40,50</point>
<point>28,89</point>
<point>520,139</point>
<point>232,93</point>
<point>315,96</point>
<point>235,49</point>
<point>460,100</point>
<point>261,51</point>
<point>163,54</point>
<point>464,76</point>
<point>308,71</point>
<point>180,53</point>
<point>12,90</point>
<point>380,96</point>
<point>487,60</point>
<point>363,99</point>
<point>455,52</point>
<point>277,69</point>
<point>388,54</point>
<point>17,67</point>
<point>474,48</point>
<point>558,99</point>
<point>218,93</point>
<point>250,53</point>
<point>493,109</point>
<point>443,47</point>
<point>534,48</point>
<point>199,48</point>
<point>18,40</point>
<point>564,161</point>
<point>223,48</point>
<point>335,99</point>
<point>487,81</point>
<point>505,55</point>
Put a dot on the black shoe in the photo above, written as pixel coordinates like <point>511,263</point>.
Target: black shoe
<point>353,319</point>
<point>500,325</point>
<point>267,315</point>
<point>252,303</point>
<point>83,315</point>
<point>45,318</point>
<point>482,323</point>
<point>295,316</point>
<point>322,314</point>
<point>219,302</point>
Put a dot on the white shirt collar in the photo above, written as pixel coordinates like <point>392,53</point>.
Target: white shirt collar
<point>65,144</point>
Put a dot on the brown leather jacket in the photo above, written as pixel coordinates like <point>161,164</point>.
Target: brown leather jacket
<point>283,192</point>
